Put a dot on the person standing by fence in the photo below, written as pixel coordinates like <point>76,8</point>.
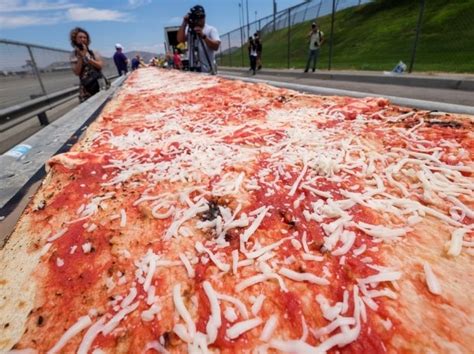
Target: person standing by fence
<point>316,39</point>
<point>120,60</point>
<point>253,55</point>
<point>85,63</point>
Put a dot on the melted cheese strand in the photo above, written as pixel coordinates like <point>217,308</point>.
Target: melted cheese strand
<point>81,324</point>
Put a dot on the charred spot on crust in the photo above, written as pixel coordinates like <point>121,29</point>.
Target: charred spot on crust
<point>410,123</point>
<point>166,339</point>
<point>281,99</point>
<point>323,249</point>
<point>233,237</point>
<point>287,217</point>
<point>301,268</point>
<point>213,211</point>
<point>40,320</point>
<point>170,339</point>
<point>445,124</point>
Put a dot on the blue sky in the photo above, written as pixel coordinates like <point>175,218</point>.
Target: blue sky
<point>136,24</point>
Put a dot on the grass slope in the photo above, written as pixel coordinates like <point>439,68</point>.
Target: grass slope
<point>377,35</point>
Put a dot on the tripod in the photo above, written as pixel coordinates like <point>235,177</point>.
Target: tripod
<point>194,57</point>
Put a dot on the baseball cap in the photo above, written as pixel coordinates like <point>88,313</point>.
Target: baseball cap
<point>198,10</point>
<point>118,46</point>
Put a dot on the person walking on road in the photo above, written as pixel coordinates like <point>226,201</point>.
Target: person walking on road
<point>316,40</point>
<point>253,55</point>
<point>120,60</point>
<point>85,63</point>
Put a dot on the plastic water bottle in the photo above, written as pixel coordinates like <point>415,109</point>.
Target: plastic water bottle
<point>18,152</point>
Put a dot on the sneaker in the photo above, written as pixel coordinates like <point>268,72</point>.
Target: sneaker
<point>306,71</point>
<point>314,70</point>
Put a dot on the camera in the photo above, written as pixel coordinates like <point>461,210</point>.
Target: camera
<point>195,14</point>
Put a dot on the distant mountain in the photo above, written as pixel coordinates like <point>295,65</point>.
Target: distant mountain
<point>146,56</point>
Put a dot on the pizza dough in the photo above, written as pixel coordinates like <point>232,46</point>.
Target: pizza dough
<point>201,214</point>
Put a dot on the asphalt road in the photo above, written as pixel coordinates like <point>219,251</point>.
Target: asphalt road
<point>18,89</point>
<point>26,129</point>
<point>422,93</point>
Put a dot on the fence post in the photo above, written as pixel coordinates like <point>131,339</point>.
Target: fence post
<point>331,40</point>
<point>242,45</point>
<point>42,117</point>
<point>35,69</point>
<point>274,15</point>
<point>230,52</point>
<point>289,36</point>
<point>417,36</point>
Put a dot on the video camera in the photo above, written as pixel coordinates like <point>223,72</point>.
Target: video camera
<point>195,14</point>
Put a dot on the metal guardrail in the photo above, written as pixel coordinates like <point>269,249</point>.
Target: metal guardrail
<point>19,113</point>
<point>28,71</point>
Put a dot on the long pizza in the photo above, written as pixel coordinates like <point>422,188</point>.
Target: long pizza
<point>199,214</point>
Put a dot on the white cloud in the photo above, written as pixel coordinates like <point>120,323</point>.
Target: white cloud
<point>93,14</point>
<point>137,3</point>
<point>25,21</point>
<point>28,6</point>
<point>21,13</point>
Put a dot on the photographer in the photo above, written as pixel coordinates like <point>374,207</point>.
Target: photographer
<point>316,39</point>
<point>85,63</point>
<point>203,40</point>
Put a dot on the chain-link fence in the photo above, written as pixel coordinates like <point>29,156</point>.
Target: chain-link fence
<point>426,35</point>
<point>28,71</point>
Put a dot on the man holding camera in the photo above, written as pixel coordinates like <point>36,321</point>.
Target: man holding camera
<point>316,39</point>
<point>203,40</point>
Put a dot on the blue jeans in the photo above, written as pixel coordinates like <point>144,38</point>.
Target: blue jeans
<point>313,56</point>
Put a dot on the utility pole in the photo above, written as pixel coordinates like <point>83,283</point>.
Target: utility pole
<point>248,21</point>
<point>417,35</point>
<point>240,23</point>
<point>331,41</point>
<point>240,15</point>
<point>255,16</point>
<point>243,17</point>
<point>274,14</point>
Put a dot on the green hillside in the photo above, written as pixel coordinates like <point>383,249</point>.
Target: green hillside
<point>377,35</point>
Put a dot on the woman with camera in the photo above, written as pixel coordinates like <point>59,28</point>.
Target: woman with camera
<point>85,63</point>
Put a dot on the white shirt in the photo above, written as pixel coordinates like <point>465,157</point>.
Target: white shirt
<point>211,33</point>
<point>316,37</point>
